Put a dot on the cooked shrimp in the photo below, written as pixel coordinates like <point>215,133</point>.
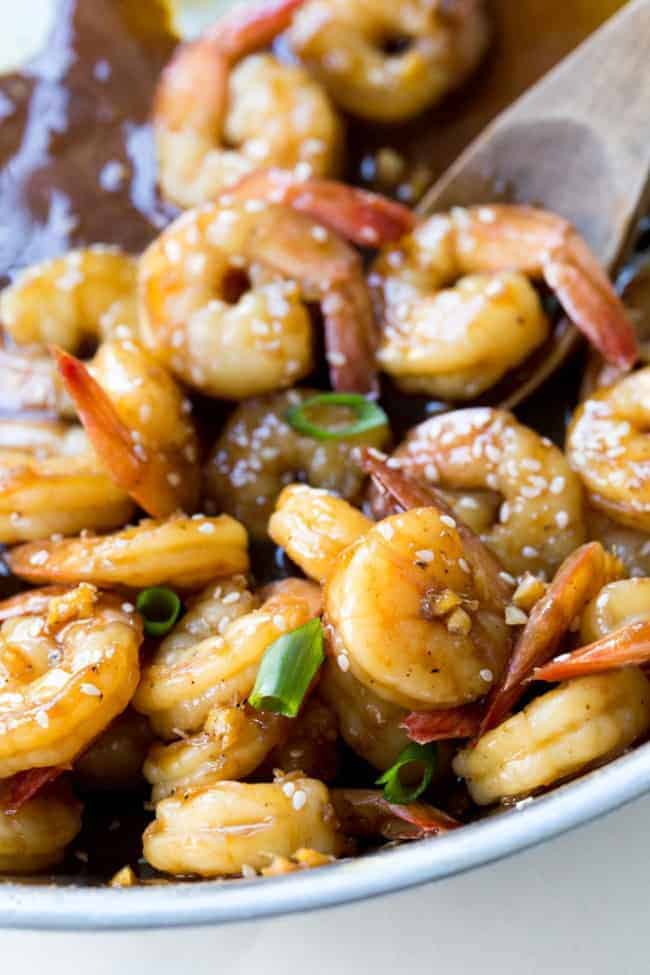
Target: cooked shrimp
<point>580,577</point>
<point>138,421</point>
<point>258,453</point>
<point>224,828</point>
<point>531,502</point>
<point>608,446</point>
<point>115,760</point>
<point>582,722</point>
<point>412,614</point>
<point>183,552</point>
<point>369,725</point>
<point>221,299</point>
<point>36,835</point>
<point>65,673</point>
<point>616,605</point>
<point>252,110</point>
<point>85,295</point>
<point>348,46</point>
<point>456,341</point>
<point>313,527</point>
<point>233,742</point>
<point>51,482</point>
<point>212,656</point>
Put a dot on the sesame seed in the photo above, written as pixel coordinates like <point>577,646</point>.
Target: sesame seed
<point>90,690</point>
<point>207,528</point>
<point>343,662</point>
<point>288,788</point>
<point>39,558</point>
<point>562,519</point>
<point>448,520</point>
<point>128,608</point>
<point>506,577</point>
<point>557,485</point>
<point>232,597</point>
<point>529,552</point>
<point>42,719</point>
<point>424,555</point>
<point>464,565</point>
<point>486,675</point>
<point>299,799</point>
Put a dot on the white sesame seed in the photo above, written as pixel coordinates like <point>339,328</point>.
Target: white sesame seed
<point>464,565</point>
<point>207,528</point>
<point>288,788</point>
<point>529,552</point>
<point>562,519</point>
<point>39,558</point>
<point>128,608</point>
<point>90,690</point>
<point>486,675</point>
<point>448,520</point>
<point>557,485</point>
<point>506,577</point>
<point>299,799</point>
<point>42,719</point>
<point>515,616</point>
<point>343,662</point>
<point>424,555</point>
<point>232,597</point>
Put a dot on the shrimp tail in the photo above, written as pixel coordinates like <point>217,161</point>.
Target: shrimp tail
<point>626,647</point>
<point>248,29</point>
<point>427,726</point>
<point>579,578</point>
<point>145,476</point>
<point>365,219</point>
<point>23,786</point>
<point>589,299</point>
<point>365,812</point>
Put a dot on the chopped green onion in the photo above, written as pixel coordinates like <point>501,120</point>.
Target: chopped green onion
<point>160,608</point>
<point>287,669</point>
<point>394,791</point>
<point>369,416</point>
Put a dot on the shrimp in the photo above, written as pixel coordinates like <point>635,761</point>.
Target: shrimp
<point>412,614</point>
<point>115,760</point>
<point>583,722</point>
<point>580,577</point>
<point>65,673</point>
<point>369,725</point>
<point>137,419</point>
<point>221,300</point>
<point>609,448</point>
<point>618,604</point>
<point>457,341</point>
<point>226,827</point>
<point>314,527</point>
<point>233,742</point>
<point>387,62</point>
<point>212,656</point>
<point>253,110</point>
<point>51,482</point>
<point>258,453</point>
<point>36,835</point>
<point>86,295</point>
<point>182,552</point>
<point>531,504</point>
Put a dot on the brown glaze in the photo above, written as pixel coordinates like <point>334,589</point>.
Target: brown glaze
<point>76,154</point>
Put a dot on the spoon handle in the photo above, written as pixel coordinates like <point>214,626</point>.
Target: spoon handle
<point>578,142</point>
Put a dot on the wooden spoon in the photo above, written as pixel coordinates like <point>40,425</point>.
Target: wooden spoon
<point>576,143</point>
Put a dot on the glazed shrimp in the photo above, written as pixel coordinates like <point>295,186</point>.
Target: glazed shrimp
<point>412,613</point>
<point>65,673</point>
<point>138,421</point>
<point>211,657</point>
<point>528,499</point>
<point>346,45</point>
<point>252,111</point>
<point>233,742</point>
<point>221,301</point>
<point>36,835</point>
<point>51,482</point>
<point>258,453</point>
<point>584,721</point>
<point>455,338</point>
<point>618,604</point>
<point>608,446</point>
<point>314,527</point>
<point>182,552</point>
<point>86,295</point>
<point>224,828</point>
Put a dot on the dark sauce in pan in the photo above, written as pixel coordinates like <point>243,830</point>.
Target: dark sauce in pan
<point>77,166</point>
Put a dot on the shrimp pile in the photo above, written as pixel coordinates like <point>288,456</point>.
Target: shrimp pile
<point>253,578</point>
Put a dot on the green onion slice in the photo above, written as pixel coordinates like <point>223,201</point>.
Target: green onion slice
<point>287,669</point>
<point>394,791</point>
<point>160,608</point>
<point>369,416</point>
